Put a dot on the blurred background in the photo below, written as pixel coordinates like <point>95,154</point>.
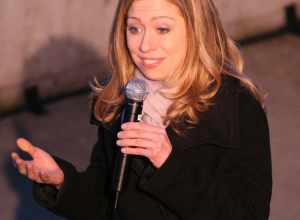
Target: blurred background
<point>50,50</point>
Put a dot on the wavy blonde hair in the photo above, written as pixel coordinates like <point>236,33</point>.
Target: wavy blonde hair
<point>210,53</point>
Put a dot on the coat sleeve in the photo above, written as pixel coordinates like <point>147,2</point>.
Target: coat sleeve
<point>210,182</point>
<point>83,194</point>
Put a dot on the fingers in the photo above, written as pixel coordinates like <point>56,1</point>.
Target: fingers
<point>141,135</point>
<point>142,143</point>
<point>136,151</point>
<point>36,170</point>
<point>32,173</point>
<point>26,146</point>
<point>142,126</point>
<point>138,134</point>
<point>19,163</point>
<point>139,138</point>
<point>15,157</point>
<point>26,168</point>
<point>141,130</point>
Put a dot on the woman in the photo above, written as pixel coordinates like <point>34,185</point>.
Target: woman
<point>202,148</point>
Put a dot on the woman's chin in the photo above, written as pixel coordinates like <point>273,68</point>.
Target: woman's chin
<point>152,75</point>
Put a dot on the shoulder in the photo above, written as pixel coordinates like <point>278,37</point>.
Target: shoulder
<point>234,111</point>
<point>248,117</point>
<point>234,96</point>
<point>232,88</point>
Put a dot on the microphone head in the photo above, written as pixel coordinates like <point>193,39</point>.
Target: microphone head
<point>136,89</point>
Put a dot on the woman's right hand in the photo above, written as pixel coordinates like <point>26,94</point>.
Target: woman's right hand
<point>42,168</point>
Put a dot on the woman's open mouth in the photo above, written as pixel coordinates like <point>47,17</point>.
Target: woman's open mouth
<point>151,63</point>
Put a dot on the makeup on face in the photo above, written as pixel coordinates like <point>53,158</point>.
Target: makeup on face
<point>156,37</point>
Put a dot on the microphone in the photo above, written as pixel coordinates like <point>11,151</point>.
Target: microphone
<point>135,93</point>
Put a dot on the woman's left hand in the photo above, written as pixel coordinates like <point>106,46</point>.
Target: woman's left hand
<point>140,138</point>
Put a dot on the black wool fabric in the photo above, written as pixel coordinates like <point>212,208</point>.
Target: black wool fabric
<point>219,170</point>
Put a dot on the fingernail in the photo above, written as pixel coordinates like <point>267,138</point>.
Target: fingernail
<point>118,142</point>
<point>123,126</point>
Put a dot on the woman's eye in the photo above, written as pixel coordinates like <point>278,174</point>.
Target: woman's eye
<point>163,30</point>
<point>133,29</point>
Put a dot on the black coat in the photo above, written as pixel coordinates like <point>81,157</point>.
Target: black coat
<point>220,170</point>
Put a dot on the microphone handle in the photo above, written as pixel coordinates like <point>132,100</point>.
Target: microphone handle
<point>131,113</point>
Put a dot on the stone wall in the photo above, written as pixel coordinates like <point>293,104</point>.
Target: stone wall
<point>60,45</point>
<point>248,18</point>
<point>57,45</point>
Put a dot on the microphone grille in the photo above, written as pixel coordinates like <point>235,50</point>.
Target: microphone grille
<point>136,89</point>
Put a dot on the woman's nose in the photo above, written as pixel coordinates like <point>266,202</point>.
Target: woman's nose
<point>148,42</point>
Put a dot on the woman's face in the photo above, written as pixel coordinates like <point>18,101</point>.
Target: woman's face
<point>156,37</point>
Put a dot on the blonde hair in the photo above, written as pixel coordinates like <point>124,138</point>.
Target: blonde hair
<point>210,53</point>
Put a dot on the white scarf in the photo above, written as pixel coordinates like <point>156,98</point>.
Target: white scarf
<point>155,105</point>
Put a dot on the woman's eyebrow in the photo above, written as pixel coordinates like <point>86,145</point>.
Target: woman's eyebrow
<point>131,17</point>
<point>158,17</point>
<point>154,18</point>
